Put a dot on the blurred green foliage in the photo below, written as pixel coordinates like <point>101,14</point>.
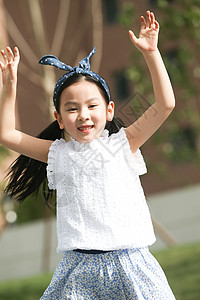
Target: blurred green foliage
<point>27,289</point>
<point>34,207</point>
<point>3,152</point>
<point>126,16</point>
<point>179,41</point>
<point>181,266</point>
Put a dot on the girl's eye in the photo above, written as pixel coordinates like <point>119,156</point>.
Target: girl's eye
<point>92,105</point>
<point>72,109</point>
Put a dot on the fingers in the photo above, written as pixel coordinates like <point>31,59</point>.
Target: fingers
<point>1,65</point>
<point>152,18</point>
<point>9,56</point>
<point>4,57</point>
<point>150,21</point>
<point>16,51</point>
<point>143,22</point>
<point>132,37</point>
<point>156,25</point>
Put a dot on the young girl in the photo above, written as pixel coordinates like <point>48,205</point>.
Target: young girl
<point>103,222</point>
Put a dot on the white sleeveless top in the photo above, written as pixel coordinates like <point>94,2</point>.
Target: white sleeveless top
<point>100,200</point>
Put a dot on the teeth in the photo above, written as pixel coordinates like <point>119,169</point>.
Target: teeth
<point>85,128</point>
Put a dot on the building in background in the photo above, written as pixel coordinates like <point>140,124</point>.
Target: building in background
<point>69,30</point>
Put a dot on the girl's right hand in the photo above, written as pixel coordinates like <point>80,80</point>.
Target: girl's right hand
<point>9,66</point>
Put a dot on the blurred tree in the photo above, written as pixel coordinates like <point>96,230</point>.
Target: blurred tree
<point>3,151</point>
<point>53,41</point>
<point>47,41</point>
<point>180,45</point>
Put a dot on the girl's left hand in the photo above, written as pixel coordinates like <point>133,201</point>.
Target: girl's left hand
<point>148,37</point>
<point>9,66</point>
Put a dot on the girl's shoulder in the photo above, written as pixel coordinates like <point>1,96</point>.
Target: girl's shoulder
<point>52,162</point>
<point>55,148</point>
<point>134,160</point>
<point>57,143</point>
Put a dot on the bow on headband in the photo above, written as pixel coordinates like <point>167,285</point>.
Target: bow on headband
<point>83,68</point>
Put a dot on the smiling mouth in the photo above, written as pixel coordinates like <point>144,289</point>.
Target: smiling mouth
<point>85,128</point>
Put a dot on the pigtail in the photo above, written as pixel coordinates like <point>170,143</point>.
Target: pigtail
<point>27,175</point>
<point>115,125</point>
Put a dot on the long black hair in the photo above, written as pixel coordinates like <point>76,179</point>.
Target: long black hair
<point>26,175</point>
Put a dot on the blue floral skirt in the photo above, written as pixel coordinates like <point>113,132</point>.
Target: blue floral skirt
<point>117,275</point>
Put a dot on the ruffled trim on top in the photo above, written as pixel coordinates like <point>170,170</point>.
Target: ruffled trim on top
<point>136,162</point>
<point>94,144</point>
<point>51,163</point>
<point>117,141</point>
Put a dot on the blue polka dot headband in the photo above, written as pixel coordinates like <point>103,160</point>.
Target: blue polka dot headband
<point>83,68</point>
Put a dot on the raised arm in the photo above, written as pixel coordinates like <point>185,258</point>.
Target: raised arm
<point>9,136</point>
<point>142,129</point>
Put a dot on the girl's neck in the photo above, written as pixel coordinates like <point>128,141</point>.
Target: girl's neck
<point>67,137</point>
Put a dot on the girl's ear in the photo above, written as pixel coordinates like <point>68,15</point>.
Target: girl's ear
<point>110,111</point>
<point>59,119</point>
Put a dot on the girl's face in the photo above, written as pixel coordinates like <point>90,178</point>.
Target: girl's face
<point>84,111</point>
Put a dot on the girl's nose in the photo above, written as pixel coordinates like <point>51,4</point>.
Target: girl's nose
<point>83,115</point>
